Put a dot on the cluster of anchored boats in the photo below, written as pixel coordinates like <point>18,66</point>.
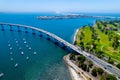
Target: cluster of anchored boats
<point>20,49</point>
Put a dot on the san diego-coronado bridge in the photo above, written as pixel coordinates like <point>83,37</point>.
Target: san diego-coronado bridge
<point>60,42</point>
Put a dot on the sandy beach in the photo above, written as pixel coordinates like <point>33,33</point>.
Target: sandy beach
<point>75,35</point>
<point>75,72</point>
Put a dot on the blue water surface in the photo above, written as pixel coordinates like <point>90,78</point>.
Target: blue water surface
<point>47,63</point>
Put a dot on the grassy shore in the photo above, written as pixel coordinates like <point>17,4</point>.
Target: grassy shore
<point>102,40</point>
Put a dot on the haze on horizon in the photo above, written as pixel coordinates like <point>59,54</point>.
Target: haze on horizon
<point>102,6</point>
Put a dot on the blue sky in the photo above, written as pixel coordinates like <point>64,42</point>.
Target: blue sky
<point>60,6</point>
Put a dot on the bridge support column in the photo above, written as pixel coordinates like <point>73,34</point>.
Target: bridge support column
<point>18,28</point>
<point>40,34</point>
<point>69,50</point>
<point>2,28</point>
<point>63,46</point>
<point>26,30</point>
<point>56,42</point>
<point>48,37</point>
<point>33,31</point>
<point>11,28</point>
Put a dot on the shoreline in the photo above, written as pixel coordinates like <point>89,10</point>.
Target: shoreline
<point>74,75</point>
<point>74,38</point>
<point>73,72</point>
<point>73,16</point>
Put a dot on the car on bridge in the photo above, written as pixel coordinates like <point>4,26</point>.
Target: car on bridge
<point>105,68</point>
<point>109,66</point>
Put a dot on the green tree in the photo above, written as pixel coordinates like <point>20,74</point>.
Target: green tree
<point>111,61</point>
<point>111,77</point>
<point>82,45</point>
<point>100,71</point>
<point>118,65</point>
<point>75,43</point>
<point>90,64</point>
<point>116,42</point>
<point>98,39</point>
<point>84,67</point>
<point>81,58</point>
<point>72,56</point>
<point>102,78</point>
<point>94,72</point>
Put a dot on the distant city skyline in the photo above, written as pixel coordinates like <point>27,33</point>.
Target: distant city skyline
<point>102,6</point>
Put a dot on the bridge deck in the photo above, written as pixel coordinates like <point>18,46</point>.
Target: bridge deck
<point>46,32</point>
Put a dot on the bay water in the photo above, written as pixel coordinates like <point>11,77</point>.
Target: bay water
<point>42,60</point>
